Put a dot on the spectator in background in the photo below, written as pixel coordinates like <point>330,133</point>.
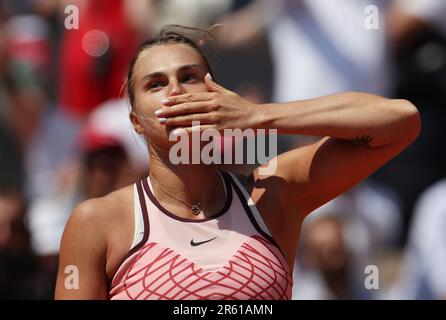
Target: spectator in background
<point>322,46</point>
<point>21,104</point>
<point>244,51</point>
<point>247,21</point>
<point>319,47</point>
<point>408,17</point>
<point>423,275</point>
<point>22,275</point>
<point>26,37</point>
<point>104,164</point>
<point>13,234</point>
<point>94,58</point>
<point>110,156</point>
<point>327,261</point>
<point>191,13</point>
<point>320,34</point>
<point>53,13</point>
<point>93,62</point>
<point>419,32</point>
<point>92,71</point>
<point>343,237</point>
<point>109,119</point>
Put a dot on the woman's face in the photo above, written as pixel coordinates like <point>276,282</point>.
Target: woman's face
<point>160,72</point>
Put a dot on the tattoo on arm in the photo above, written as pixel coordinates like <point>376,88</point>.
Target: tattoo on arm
<point>363,140</point>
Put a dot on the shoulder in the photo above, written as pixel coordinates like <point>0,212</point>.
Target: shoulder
<point>99,209</point>
<point>96,218</point>
<point>87,242</point>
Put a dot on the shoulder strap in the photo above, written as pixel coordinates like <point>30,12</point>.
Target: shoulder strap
<point>250,207</point>
<point>145,220</point>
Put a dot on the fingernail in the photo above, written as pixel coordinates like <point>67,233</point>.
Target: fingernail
<point>165,101</point>
<point>209,76</point>
<point>158,112</point>
<point>162,120</point>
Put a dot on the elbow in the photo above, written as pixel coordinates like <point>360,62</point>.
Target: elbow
<point>409,120</point>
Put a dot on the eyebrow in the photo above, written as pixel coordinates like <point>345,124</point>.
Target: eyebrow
<point>180,69</point>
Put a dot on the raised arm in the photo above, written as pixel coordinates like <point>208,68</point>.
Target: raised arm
<point>362,132</point>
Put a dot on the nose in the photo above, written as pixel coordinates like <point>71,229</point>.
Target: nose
<point>176,88</point>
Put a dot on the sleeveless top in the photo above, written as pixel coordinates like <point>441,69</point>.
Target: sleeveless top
<point>230,255</point>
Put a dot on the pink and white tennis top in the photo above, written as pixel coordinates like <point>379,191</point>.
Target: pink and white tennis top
<point>230,255</point>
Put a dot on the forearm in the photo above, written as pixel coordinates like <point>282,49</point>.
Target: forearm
<point>358,117</point>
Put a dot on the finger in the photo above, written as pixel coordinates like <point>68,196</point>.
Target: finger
<point>186,108</point>
<point>200,128</point>
<point>188,97</point>
<point>188,130</point>
<point>188,119</point>
<point>212,85</point>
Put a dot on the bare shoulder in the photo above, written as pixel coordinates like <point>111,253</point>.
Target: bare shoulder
<point>96,218</point>
<point>89,242</point>
<point>100,209</point>
<point>86,243</point>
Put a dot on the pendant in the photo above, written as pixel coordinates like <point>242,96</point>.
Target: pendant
<point>195,210</point>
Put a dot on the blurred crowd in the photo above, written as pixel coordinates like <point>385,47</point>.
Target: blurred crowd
<point>65,134</point>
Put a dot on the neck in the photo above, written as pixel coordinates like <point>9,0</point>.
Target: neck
<point>182,183</point>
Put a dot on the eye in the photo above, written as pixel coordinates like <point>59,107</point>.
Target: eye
<point>154,85</point>
<point>189,78</point>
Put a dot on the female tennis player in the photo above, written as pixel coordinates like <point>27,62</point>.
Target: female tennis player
<point>191,231</point>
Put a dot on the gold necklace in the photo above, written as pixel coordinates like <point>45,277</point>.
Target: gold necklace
<point>194,208</point>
